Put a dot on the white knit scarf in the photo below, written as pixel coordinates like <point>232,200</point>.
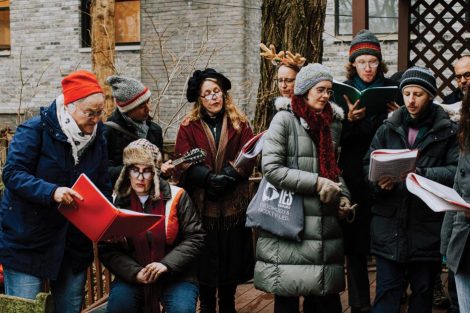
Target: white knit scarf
<point>77,139</point>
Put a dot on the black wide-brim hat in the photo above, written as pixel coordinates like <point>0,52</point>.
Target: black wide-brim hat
<point>195,82</point>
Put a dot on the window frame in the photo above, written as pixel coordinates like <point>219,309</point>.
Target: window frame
<point>6,8</point>
<point>86,25</point>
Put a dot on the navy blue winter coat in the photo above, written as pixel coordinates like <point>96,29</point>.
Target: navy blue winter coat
<point>35,238</point>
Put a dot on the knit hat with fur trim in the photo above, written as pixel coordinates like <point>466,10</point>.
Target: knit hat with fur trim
<point>309,76</point>
<point>129,93</point>
<point>79,85</point>
<point>421,77</point>
<point>142,152</point>
<point>365,42</point>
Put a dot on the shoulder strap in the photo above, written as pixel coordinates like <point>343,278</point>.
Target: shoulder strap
<point>119,128</point>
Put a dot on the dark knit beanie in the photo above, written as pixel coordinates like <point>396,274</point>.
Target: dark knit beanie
<point>195,82</point>
<point>365,42</point>
<point>129,93</point>
<point>421,77</point>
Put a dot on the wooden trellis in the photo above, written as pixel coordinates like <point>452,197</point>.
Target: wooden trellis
<point>436,35</point>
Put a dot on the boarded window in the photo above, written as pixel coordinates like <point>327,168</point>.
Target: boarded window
<point>126,19</point>
<point>4,25</point>
<point>383,17</point>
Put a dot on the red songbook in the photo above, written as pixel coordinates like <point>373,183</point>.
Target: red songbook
<point>99,219</point>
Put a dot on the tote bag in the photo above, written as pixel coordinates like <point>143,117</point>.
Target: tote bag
<point>277,211</point>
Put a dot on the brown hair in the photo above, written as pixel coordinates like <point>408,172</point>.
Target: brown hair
<point>234,114</point>
<point>464,124</point>
<point>293,67</point>
<point>351,70</point>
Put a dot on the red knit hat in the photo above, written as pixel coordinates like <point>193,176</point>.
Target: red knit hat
<point>78,85</point>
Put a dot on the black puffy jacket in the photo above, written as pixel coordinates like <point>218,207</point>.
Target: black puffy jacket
<point>403,228</point>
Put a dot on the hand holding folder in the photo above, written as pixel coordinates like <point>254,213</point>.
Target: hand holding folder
<point>99,219</point>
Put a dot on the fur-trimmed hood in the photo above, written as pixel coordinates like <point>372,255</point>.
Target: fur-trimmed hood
<point>283,103</point>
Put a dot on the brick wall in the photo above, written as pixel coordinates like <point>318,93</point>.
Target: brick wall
<point>179,37</point>
<point>45,39</point>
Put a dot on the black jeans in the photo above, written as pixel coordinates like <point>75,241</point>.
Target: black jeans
<point>312,304</point>
<point>358,281</point>
<point>225,294</point>
<point>391,285</point>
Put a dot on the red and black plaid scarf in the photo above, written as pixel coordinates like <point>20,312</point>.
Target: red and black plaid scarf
<point>319,131</point>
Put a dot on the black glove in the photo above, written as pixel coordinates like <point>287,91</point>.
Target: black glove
<point>211,194</point>
<point>219,182</point>
<point>230,171</point>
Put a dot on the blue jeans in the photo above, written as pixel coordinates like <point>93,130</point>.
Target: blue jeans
<point>462,281</point>
<point>67,290</point>
<point>177,297</point>
<point>391,285</point>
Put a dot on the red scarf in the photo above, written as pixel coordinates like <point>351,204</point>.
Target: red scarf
<point>150,247</point>
<point>319,131</point>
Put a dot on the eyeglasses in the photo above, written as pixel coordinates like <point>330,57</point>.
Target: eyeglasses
<point>212,95</point>
<point>465,75</point>
<point>146,174</point>
<point>287,81</point>
<point>90,114</point>
<point>363,64</point>
<point>322,90</point>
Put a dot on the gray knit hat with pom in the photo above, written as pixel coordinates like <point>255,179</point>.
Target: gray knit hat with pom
<point>309,76</point>
<point>129,93</point>
<point>421,77</point>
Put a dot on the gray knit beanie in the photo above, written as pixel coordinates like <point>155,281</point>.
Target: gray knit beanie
<point>129,93</point>
<point>309,76</point>
<point>365,42</point>
<point>421,77</point>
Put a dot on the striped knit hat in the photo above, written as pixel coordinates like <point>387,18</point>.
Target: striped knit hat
<point>365,42</point>
<point>421,77</point>
<point>129,93</point>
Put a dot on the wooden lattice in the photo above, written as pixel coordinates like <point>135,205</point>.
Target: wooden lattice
<point>438,37</point>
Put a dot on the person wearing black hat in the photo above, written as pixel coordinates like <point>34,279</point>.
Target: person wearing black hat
<point>365,69</point>
<point>218,187</point>
<point>405,232</point>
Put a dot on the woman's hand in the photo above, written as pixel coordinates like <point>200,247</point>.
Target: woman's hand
<point>64,195</point>
<point>328,190</point>
<point>151,273</point>
<point>353,114</point>
<point>386,183</point>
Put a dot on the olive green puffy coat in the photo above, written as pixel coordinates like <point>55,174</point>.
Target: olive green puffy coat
<point>313,266</point>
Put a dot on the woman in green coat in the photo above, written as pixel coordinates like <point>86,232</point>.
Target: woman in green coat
<point>313,267</point>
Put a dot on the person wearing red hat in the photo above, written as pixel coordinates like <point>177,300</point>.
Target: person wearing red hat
<point>45,157</point>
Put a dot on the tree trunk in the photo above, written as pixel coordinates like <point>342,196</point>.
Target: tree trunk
<point>297,26</point>
<point>103,45</point>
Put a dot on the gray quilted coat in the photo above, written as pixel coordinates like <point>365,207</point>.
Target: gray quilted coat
<point>313,266</point>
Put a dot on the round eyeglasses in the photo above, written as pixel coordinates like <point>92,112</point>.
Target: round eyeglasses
<point>135,173</point>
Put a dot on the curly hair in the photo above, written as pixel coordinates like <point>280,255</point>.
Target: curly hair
<point>234,114</point>
<point>464,124</point>
<point>351,70</point>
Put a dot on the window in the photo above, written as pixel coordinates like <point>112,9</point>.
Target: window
<point>126,22</point>
<point>4,25</point>
<point>383,17</point>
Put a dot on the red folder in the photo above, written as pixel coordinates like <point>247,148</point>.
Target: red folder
<point>99,219</point>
